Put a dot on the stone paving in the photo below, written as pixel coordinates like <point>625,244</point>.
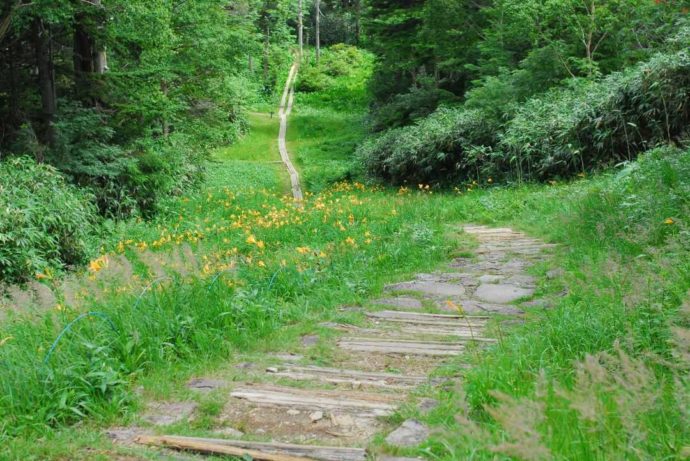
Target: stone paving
<point>313,412</point>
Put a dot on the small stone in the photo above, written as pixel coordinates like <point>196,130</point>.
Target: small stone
<point>430,288</point>
<point>427,405</point>
<point>402,302</point>
<point>411,433</point>
<point>165,414</point>
<point>316,416</point>
<point>293,412</point>
<point>310,340</point>
<point>272,370</point>
<point>229,431</point>
<point>490,278</point>
<point>289,357</point>
<point>125,434</point>
<point>204,384</point>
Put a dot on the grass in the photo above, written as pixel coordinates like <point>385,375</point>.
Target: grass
<point>601,374</point>
<point>326,126</point>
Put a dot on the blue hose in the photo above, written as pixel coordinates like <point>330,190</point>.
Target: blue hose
<point>64,331</point>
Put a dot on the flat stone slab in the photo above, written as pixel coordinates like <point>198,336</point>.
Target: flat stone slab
<point>429,287</point>
<point>500,293</point>
<point>309,340</point>
<point>165,414</point>
<point>205,384</point>
<point>401,302</point>
<point>411,433</point>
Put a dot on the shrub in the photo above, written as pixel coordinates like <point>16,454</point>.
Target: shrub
<point>44,222</point>
<point>594,124</point>
<point>580,126</point>
<point>448,145</point>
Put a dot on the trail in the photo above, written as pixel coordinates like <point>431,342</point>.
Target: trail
<point>284,112</point>
<point>307,410</point>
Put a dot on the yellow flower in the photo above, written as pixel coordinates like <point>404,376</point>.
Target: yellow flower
<point>350,241</point>
<point>261,264</point>
<point>669,221</point>
<point>454,306</point>
<point>99,263</point>
<point>251,239</point>
<point>302,250</point>
<point>323,255</point>
<point>260,244</point>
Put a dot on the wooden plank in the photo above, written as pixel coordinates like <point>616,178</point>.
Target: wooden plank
<point>432,348</point>
<point>214,448</point>
<point>360,403</point>
<point>311,452</point>
<point>450,320</point>
<point>352,377</point>
<point>468,334</point>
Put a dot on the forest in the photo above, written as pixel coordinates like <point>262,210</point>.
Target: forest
<point>150,241</point>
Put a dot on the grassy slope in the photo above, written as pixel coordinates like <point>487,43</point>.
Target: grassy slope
<point>624,264</point>
<point>326,126</point>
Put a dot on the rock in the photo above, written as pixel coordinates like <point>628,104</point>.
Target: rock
<point>429,287</point>
<point>272,370</point>
<point>501,293</point>
<point>316,416</point>
<point>411,433</point>
<point>289,357</point>
<point>490,278</point>
<point>522,280</point>
<point>402,302</point>
<point>427,405</point>
<point>537,303</point>
<point>205,384</point>
<point>293,412</point>
<point>125,434</point>
<point>165,414</point>
<point>229,431</point>
<point>310,340</point>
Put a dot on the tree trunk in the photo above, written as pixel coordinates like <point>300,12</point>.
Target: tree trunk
<point>317,33</point>
<point>46,82</point>
<point>358,19</point>
<point>300,29</point>
<point>266,56</point>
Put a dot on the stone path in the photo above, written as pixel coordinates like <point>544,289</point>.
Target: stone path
<point>305,410</point>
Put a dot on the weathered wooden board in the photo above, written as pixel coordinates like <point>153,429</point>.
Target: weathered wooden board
<point>214,448</point>
<point>411,347</point>
<point>450,320</point>
<point>352,377</point>
<point>360,403</point>
<point>301,452</point>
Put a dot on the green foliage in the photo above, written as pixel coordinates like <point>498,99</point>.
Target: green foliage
<point>626,272</point>
<point>600,123</point>
<point>44,222</point>
<point>571,129</point>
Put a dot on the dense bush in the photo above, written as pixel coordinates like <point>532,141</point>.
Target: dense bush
<point>593,124</point>
<point>44,222</point>
<point>580,126</point>
<point>337,61</point>
<point>444,146</point>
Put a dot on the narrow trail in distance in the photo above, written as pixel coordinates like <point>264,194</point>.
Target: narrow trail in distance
<point>283,112</point>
